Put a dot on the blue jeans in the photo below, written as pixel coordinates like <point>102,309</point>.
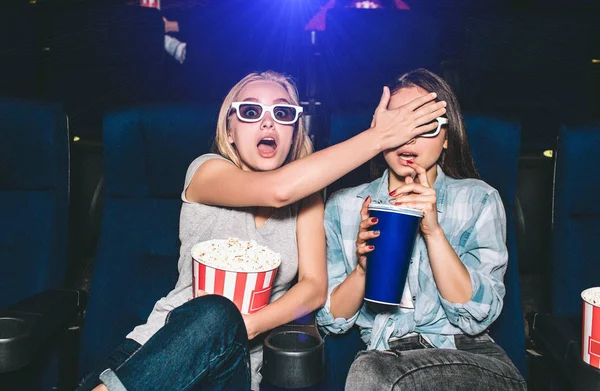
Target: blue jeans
<point>413,364</point>
<point>202,346</point>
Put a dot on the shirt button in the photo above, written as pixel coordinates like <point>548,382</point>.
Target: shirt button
<point>414,298</point>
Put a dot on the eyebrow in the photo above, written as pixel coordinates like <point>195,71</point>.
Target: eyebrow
<point>280,100</point>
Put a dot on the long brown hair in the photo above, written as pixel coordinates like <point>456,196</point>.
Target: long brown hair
<point>456,160</point>
<point>301,144</point>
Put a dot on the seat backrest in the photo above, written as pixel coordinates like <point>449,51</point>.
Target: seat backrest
<point>103,58</point>
<point>34,198</point>
<point>576,225</point>
<point>147,152</point>
<point>495,144</point>
<point>342,127</point>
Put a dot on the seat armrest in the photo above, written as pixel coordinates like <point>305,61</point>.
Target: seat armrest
<point>293,355</point>
<point>560,336</point>
<point>555,333</point>
<point>28,324</point>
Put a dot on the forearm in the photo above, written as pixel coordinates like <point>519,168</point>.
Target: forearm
<point>304,297</point>
<point>318,170</point>
<point>218,182</point>
<point>347,298</point>
<point>451,276</point>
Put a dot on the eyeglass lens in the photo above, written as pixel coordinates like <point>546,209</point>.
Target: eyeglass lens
<point>254,112</point>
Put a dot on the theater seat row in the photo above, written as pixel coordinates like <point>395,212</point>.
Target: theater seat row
<point>146,154</point>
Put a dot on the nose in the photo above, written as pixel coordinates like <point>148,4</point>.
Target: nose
<point>267,121</point>
<point>411,141</point>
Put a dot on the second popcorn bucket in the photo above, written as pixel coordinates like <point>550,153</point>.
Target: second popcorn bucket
<point>242,271</point>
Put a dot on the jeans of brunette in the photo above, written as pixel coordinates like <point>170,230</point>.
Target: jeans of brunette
<point>202,346</point>
<point>413,364</point>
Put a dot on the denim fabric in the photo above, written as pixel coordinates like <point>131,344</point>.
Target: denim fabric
<point>412,363</point>
<point>203,345</point>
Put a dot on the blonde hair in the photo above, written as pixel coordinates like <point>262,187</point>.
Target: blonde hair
<point>301,144</point>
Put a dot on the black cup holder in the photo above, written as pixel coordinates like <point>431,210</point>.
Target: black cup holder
<point>14,343</point>
<point>293,357</point>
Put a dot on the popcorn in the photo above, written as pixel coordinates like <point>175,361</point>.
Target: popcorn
<point>592,296</point>
<point>236,255</point>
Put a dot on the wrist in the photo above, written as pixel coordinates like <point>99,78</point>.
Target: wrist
<point>434,234</point>
<point>376,140</point>
<point>360,271</point>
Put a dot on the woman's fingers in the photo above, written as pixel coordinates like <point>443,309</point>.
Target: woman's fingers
<point>364,250</point>
<point>421,174</point>
<point>431,109</point>
<point>414,104</point>
<point>364,209</point>
<point>363,236</point>
<point>384,101</point>
<point>413,199</point>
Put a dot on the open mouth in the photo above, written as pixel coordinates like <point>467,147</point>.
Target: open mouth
<point>407,156</point>
<point>267,145</point>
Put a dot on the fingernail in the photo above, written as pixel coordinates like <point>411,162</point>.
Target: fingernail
<point>374,219</point>
<point>393,192</point>
<point>433,94</point>
<point>371,247</point>
<point>368,198</point>
<point>376,232</point>
<point>410,162</point>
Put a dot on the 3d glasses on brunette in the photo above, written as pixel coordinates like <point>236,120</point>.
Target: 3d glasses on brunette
<point>440,121</point>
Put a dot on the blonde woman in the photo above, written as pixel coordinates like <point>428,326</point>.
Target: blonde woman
<point>262,184</point>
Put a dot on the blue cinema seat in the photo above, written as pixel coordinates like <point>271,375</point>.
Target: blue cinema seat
<point>147,152</point>
<point>495,145</point>
<point>34,199</point>
<point>576,226</point>
<point>574,261</point>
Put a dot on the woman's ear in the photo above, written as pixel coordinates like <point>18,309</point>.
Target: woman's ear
<point>230,139</point>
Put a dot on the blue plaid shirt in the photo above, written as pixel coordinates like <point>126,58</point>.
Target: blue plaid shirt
<point>472,216</point>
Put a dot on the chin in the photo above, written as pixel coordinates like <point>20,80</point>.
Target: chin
<point>402,171</point>
<point>269,165</point>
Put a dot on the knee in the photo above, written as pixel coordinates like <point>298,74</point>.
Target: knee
<point>369,370</point>
<point>209,314</point>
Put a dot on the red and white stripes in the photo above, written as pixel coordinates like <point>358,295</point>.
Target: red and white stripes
<point>249,291</point>
<point>591,334</point>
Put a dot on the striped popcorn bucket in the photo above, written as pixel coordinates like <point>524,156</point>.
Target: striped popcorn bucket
<point>591,327</point>
<point>249,291</point>
<point>150,3</point>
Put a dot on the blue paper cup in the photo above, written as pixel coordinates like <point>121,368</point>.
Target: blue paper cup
<point>387,264</point>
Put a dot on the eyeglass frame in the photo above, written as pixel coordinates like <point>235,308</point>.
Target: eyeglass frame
<point>266,109</point>
<point>441,121</point>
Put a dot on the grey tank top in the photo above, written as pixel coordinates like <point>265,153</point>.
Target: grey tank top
<point>199,222</point>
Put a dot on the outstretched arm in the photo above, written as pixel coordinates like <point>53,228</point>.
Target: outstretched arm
<point>218,182</point>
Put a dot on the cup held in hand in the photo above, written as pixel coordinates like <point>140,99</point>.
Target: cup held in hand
<point>387,264</point>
